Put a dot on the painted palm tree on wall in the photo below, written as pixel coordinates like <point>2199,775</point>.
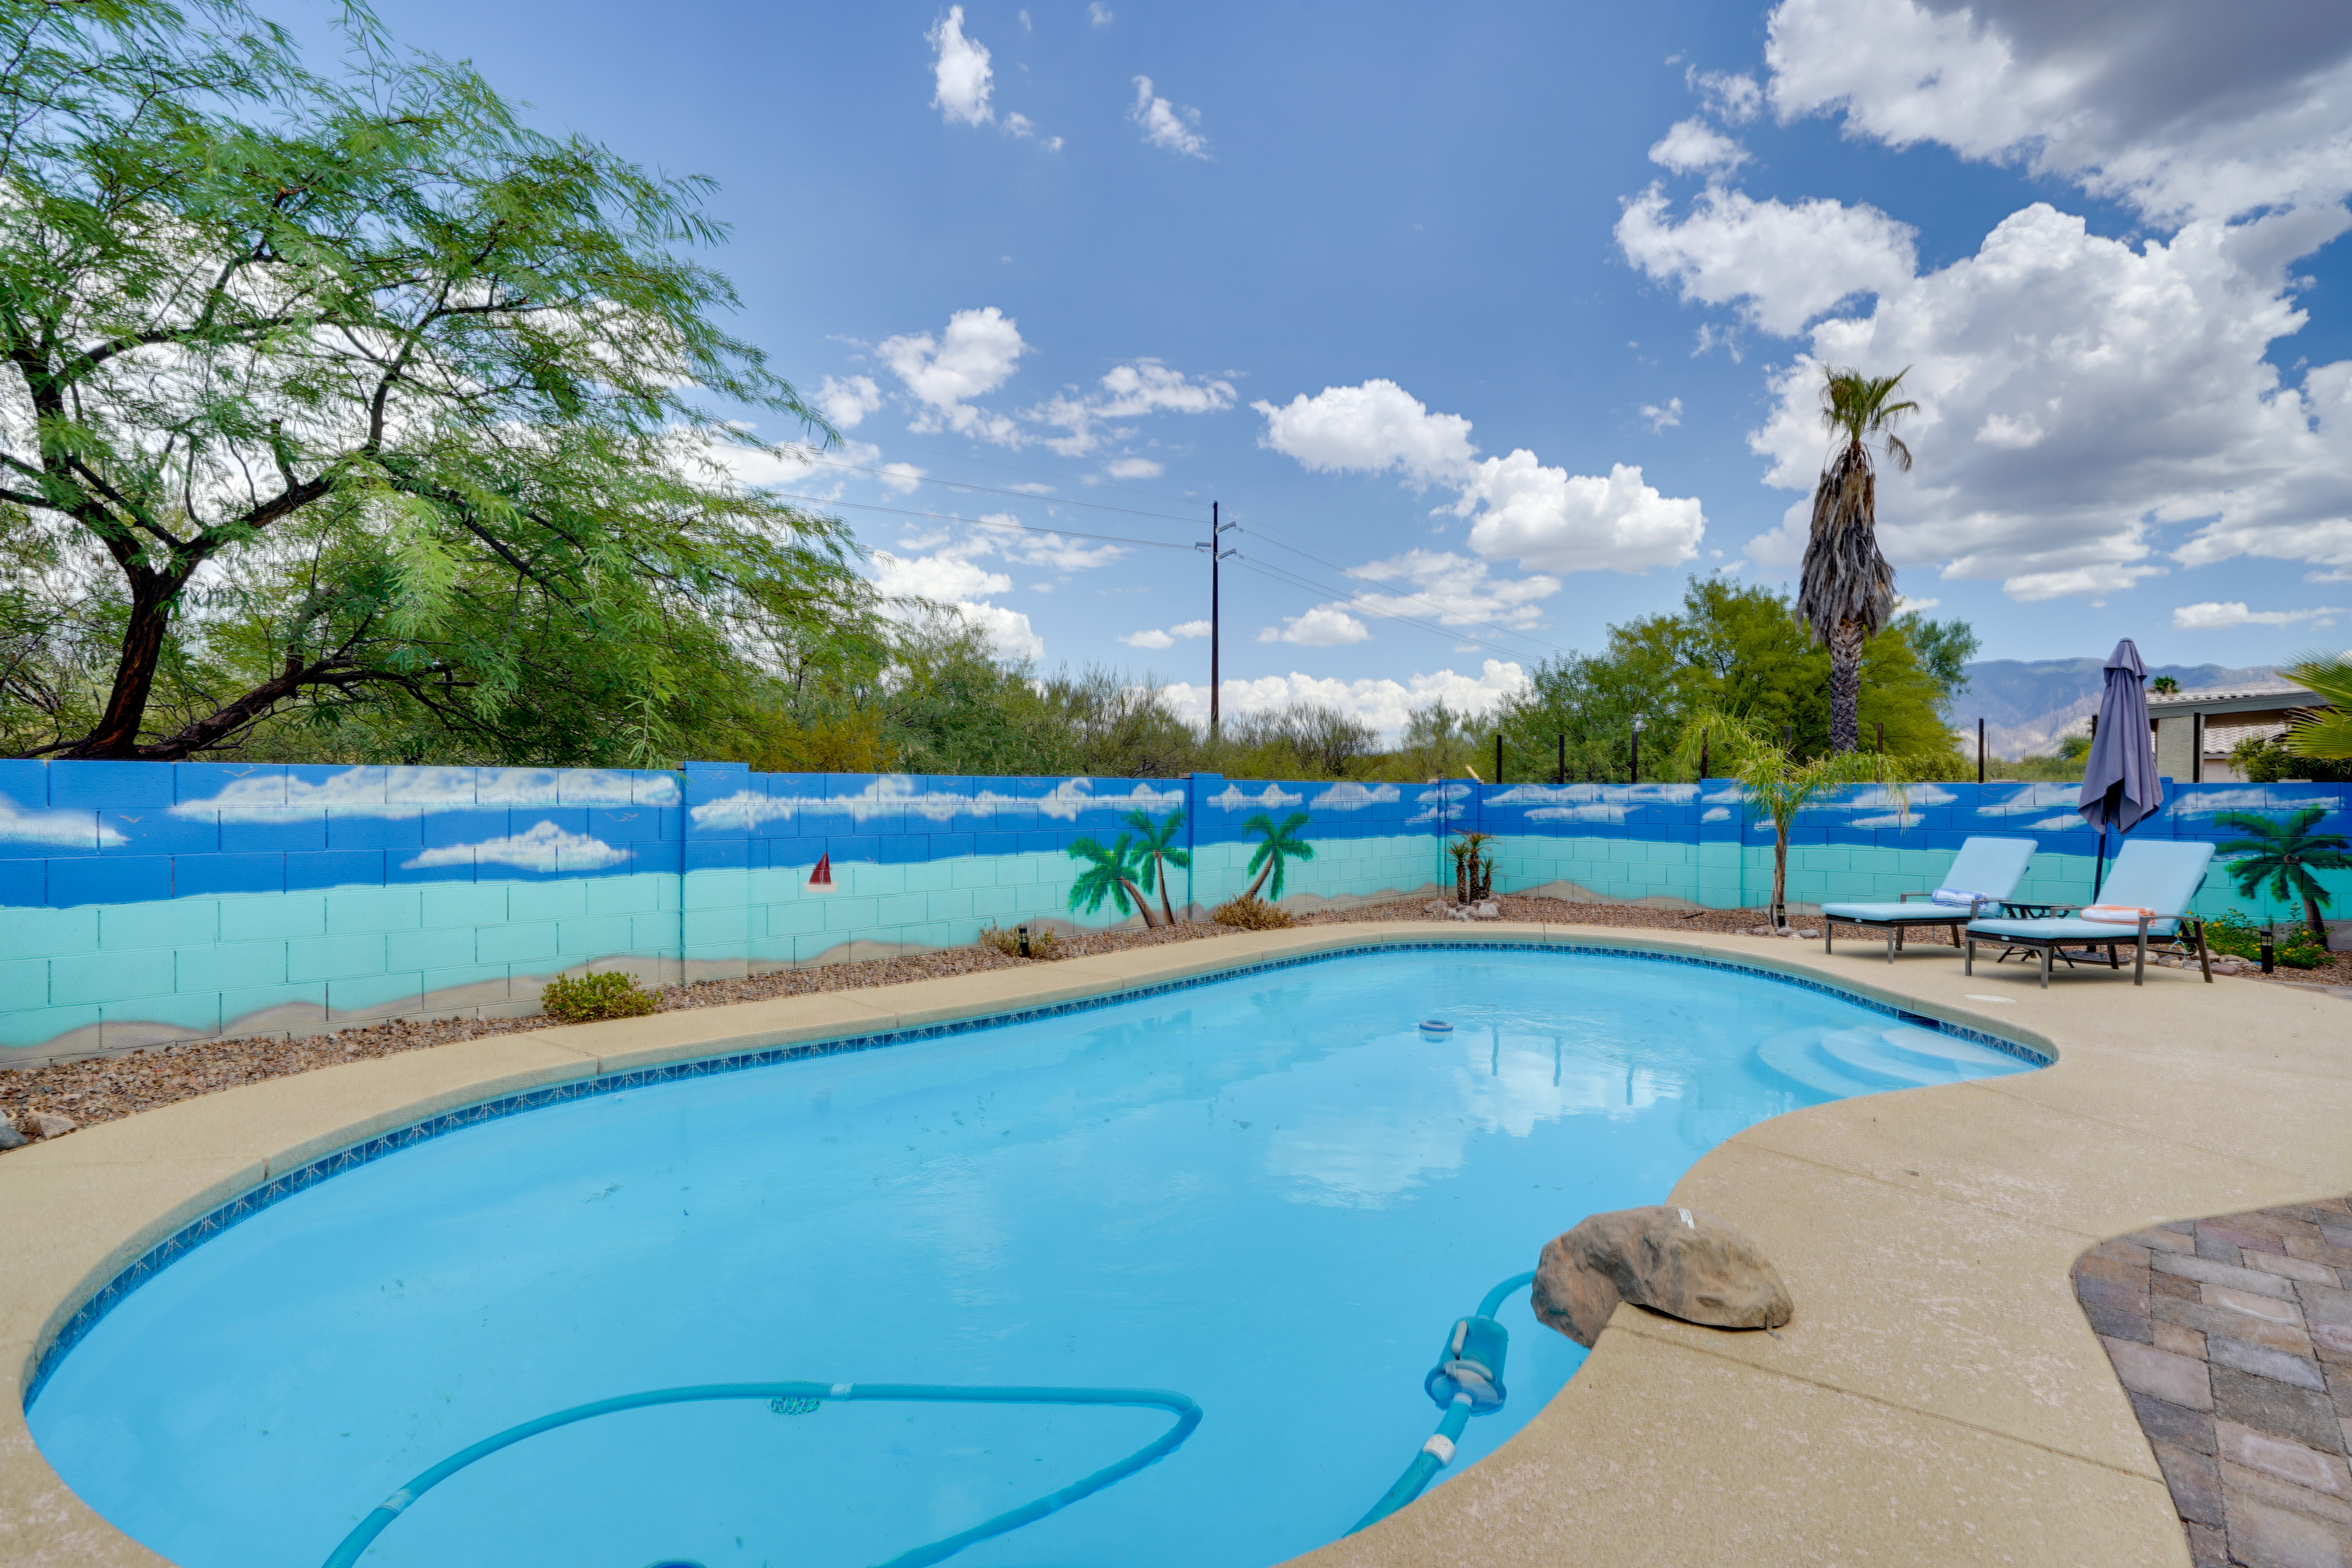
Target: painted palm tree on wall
<point>1156,850</point>
<point>1848,591</point>
<point>2284,854</point>
<point>1110,875</point>
<point>1281,844</point>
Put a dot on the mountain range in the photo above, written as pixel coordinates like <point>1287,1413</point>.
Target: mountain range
<point>2028,705</point>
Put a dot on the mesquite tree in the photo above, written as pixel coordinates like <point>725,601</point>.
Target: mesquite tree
<point>1848,589</point>
<point>332,396</point>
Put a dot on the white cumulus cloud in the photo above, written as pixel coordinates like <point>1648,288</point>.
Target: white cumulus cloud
<point>1782,265</point>
<point>1372,428</point>
<point>2215,616</point>
<point>1128,392</point>
<point>2087,403</point>
<point>1663,416</point>
<point>961,71</point>
<point>1693,144</point>
<point>2183,108</point>
<point>1325,625</point>
<point>1133,468</point>
<point>1165,125</point>
<point>1381,703</point>
<point>847,401</point>
<point>1546,518</point>
<point>976,354</point>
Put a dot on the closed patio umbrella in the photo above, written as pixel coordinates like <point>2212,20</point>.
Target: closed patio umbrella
<point>2119,781</point>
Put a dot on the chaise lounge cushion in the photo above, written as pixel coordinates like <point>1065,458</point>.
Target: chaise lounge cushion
<point>1994,866</point>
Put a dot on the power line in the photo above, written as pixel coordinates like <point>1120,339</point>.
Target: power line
<point>984,490</point>
<point>976,522</point>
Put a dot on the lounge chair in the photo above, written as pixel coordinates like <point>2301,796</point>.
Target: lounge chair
<point>1983,875</point>
<point>2158,877</point>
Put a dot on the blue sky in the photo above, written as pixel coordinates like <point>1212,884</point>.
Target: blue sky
<point>1516,311</point>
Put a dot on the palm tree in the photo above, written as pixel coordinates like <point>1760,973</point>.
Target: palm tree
<point>1109,874</point>
<point>2284,854</point>
<point>1848,591</point>
<point>2324,734</point>
<point>2164,685</point>
<point>1156,850</point>
<point>1779,784</point>
<point>1268,857</point>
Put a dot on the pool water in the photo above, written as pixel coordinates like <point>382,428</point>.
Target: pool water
<point>1274,1194</point>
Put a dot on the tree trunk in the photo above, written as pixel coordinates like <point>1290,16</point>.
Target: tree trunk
<point>1845,686</point>
<point>1263,873</point>
<point>1143,904</point>
<point>2318,924</point>
<point>1779,912</point>
<point>1167,910</point>
<point>116,735</point>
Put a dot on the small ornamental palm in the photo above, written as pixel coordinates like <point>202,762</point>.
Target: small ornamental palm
<point>1109,875</point>
<point>1268,858</point>
<point>1156,850</point>
<point>1781,786</point>
<point>2324,734</point>
<point>2285,855</point>
<point>1848,589</point>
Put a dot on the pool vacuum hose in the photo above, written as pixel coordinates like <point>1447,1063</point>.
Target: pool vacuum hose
<point>802,1396</point>
<point>1466,1381</point>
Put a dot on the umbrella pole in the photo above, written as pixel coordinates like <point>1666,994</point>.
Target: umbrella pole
<point>2099,873</point>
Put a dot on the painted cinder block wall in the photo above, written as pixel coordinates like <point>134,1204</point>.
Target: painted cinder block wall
<point>147,902</point>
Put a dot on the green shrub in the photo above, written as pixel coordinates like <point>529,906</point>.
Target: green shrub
<point>585,999</point>
<point>2296,948</point>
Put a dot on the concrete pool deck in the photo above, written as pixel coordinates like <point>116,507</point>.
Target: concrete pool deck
<point>1939,1397</point>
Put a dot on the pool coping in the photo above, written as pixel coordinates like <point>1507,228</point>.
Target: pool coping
<point>1938,1397</point>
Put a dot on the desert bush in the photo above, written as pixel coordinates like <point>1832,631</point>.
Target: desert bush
<point>2233,933</point>
<point>1042,944</point>
<point>585,999</point>
<point>1252,914</point>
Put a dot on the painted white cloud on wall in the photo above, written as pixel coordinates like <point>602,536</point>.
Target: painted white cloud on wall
<point>394,793</point>
<point>1354,797</point>
<point>57,829</point>
<point>1233,798</point>
<point>903,794</point>
<point>544,847</point>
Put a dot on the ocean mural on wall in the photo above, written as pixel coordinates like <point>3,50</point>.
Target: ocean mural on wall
<point>145,902</point>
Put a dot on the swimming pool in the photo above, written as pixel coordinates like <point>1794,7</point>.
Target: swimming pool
<point>1272,1192</point>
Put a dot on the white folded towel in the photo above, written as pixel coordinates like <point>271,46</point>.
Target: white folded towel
<point>1960,896</point>
<point>2116,914</point>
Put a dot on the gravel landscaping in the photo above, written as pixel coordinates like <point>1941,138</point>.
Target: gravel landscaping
<point>101,1089</point>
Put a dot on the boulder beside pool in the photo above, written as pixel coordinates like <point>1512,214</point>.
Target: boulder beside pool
<point>1669,1259</point>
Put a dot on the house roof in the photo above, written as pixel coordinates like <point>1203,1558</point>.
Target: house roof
<point>2278,698</point>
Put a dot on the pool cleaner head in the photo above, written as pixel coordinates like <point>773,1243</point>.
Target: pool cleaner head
<point>1471,1365</point>
<point>1435,1026</point>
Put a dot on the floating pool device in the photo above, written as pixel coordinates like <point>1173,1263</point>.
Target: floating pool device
<point>1435,1026</point>
<point>1466,1381</point>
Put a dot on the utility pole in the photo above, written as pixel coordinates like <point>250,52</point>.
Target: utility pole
<point>1216,557</point>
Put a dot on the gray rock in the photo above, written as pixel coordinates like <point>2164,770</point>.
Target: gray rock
<point>9,1137</point>
<point>49,1124</point>
<point>1671,1260</point>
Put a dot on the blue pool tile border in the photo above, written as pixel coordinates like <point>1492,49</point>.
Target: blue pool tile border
<point>246,1204</point>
